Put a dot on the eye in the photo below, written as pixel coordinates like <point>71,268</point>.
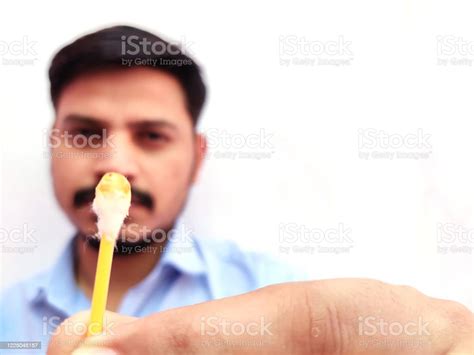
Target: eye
<point>86,132</point>
<point>152,136</point>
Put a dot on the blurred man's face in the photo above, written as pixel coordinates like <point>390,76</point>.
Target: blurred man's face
<point>133,122</point>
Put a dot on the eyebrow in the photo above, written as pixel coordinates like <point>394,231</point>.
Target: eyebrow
<point>153,123</point>
<point>144,123</point>
<point>88,120</point>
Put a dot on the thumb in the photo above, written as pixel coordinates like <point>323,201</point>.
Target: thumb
<point>72,333</point>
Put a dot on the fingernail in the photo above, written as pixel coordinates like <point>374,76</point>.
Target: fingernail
<point>94,351</point>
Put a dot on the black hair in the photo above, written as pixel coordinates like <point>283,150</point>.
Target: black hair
<point>119,47</point>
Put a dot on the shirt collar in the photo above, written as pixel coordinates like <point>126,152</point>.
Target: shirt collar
<point>183,252</point>
<point>58,286</point>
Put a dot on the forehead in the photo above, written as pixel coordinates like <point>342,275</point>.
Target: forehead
<point>118,96</point>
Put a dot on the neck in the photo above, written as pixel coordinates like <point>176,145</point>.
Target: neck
<point>128,269</point>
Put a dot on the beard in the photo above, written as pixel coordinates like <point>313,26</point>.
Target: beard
<point>136,243</point>
<point>156,239</point>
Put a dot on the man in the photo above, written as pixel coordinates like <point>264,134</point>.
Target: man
<point>142,103</point>
<point>127,101</point>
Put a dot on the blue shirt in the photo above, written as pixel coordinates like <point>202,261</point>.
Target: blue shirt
<point>188,272</point>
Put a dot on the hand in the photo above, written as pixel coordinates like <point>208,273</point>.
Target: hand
<point>70,337</point>
<point>343,316</point>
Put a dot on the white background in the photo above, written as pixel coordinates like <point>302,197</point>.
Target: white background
<point>405,75</point>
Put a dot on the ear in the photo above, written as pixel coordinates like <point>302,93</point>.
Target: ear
<point>200,150</point>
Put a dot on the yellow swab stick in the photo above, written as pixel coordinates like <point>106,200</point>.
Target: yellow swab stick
<point>111,204</point>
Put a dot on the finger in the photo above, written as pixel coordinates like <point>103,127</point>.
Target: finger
<point>72,333</point>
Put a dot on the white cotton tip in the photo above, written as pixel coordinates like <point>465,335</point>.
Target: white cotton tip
<point>112,201</point>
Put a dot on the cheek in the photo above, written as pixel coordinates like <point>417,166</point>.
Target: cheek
<point>170,172</point>
<point>67,173</point>
<point>68,168</point>
<point>175,172</point>
<point>61,182</point>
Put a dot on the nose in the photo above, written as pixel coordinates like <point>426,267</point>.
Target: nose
<point>120,158</point>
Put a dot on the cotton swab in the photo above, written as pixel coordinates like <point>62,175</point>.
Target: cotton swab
<point>111,204</point>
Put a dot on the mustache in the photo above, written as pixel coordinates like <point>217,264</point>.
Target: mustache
<point>122,247</point>
<point>85,196</point>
